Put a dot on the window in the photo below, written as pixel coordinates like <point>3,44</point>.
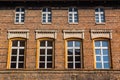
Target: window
<point>73,15</point>
<point>46,15</point>
<point>17,54</point>
<point>45,54</point>
<point>19,15</point>
<point>74,54</point>
<point>99,15</point>
<point>102,54</point>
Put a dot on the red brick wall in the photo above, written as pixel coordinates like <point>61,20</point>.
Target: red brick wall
<point>60,23</point>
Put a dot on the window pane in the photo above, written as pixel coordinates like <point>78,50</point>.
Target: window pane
<point>22,20</point>
<point>77,65</point>
<point>44,9</point>
<point>21,51</point>
<point>49,10</point>
<point>98,51</point>
<point>42,65</point>
<point>17,15</point>
<point>22,15</point>
<point>105,58</point>
<point>105,51</point>
<point>97,43</point>
<point>101,10</point>
<point>98,58</point>
<point>13,65</point>
<point>75,9</point>
<point>77,51</point>
<point>76,15</point>
<point>42,43</point>
<point>70,43</point>
<point>17,9</point>
<point>96,15</point>
<point>49,20</point>
<point>104,43</point>
<point>21,65</point>
<point>98,65</point>
<point>102,15</point>
<point>70,18</point>
<point>70,58</point>
<point>76,20</point>
<point>49,58</point>
<point>49,51</point>
<point>96,10</point>
<point>77,58</point>
<point>49,43</point>
<point>70,21</point>
<point>21,58</point>
<point>70,9</point>
<point>14,51</point>
<point>77,44</point>
<point>42,51</point>
<point>49,65</point>
<point>70,51</point>
<point>70,15</point>
<point>103,20</point>
<point>17,20</point>
<point>14,58</point>
<point>43,20</point>
<point>15,43</point>
<point>49,15</point>
<point>44,15</point>
<point>106,65</point>
<point>97,20</point>
<point>42,58</point>
<point>22,9</point>
<point>70,65</point>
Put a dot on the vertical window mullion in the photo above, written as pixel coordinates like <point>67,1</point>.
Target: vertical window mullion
<point>46,16</point>
<point>20,17</point>
<point>45,54</point>
<point>73,20</point>
<point>99,15</point>
<point>17,55</point>
<point>74,54</point>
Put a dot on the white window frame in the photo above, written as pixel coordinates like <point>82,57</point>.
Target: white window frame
<point>47,12</point>
<point>73,55</point>
<point>46,47</point>
<point>101,54</point>
<point>18,47</point>
<point>73,15</point>
<point>19,13</point>
<point>99,15</point>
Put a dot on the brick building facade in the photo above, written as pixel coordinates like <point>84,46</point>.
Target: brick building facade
<point>59,40</point>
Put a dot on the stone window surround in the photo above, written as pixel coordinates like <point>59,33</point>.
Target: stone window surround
<point>45,33</point>
<point>18,33</point>
<point>101,33</point>
<point>73,34</point>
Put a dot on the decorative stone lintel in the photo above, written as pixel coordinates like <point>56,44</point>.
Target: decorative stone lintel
<point>45,33</point>
<point>18,33</point>
<point>73,33</point>
<point>103,33</point>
